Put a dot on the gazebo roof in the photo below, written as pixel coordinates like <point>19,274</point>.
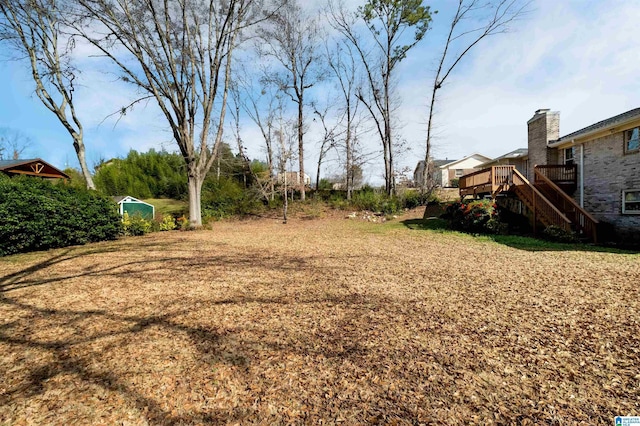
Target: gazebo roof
<point>31,167</point>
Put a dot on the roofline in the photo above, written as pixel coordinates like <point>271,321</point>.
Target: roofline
<point>462,159</point>
<point>31,160</point>
<point>138,200</point>
<point>586,135</point>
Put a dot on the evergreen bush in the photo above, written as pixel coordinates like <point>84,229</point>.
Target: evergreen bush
<point>39,215</point>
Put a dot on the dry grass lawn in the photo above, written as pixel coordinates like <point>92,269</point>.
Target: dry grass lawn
<point>321,321</point>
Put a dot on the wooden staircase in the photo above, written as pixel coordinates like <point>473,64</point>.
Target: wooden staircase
<point>583,223</point>
<point>549,204</point>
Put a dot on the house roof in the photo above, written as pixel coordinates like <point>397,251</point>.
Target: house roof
<point>31,167</point>
<point>515,154</point>
<point>601,125</point>
<point>475,154</point>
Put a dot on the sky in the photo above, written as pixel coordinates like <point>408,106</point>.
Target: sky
<point>578,57</point>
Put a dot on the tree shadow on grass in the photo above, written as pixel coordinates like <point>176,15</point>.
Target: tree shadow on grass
<point>79,352</point>
<point>519,242</point>
<point>432,224</point>
<point>37,328</point>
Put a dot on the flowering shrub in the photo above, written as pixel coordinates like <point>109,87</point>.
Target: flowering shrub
<point>476,217</point>
<point>168,223</point>
<point>135,225</point>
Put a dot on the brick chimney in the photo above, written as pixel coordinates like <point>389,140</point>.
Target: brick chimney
<point>543,127</point>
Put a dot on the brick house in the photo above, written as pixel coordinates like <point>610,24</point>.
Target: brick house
<point>607,157</point>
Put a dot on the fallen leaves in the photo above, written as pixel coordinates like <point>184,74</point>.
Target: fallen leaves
<point>325,321</point>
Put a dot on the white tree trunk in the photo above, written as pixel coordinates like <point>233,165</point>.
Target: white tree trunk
<point>194,183</point>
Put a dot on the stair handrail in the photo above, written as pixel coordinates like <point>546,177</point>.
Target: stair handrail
<point>593,222</point>
<point>566,223</point>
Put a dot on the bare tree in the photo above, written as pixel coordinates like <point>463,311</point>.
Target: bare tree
<point>284,155</point>
<point>180,54</point>
<point>387,22</point>
<point>292,40</point>
<point>253,104</point>
<point>329,137</point>
<point>13,143</point>
<point>36,31</point>
<point>343,66</point>
<point>264,184</point>
<point>496,17</point>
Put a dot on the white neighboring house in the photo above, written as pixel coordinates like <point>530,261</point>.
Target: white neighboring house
<point>458,168</point>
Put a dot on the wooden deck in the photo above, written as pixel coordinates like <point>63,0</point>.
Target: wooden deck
<point>547,199</point>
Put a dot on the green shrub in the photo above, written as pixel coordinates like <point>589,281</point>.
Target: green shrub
<point>412,199</point>
<point>225,198</point>
<point>475,217</point>
<point>39,215</point>
<point>135,225</point>
<point>376,201</point>
<point>168,223</point>
<point>559,235</point>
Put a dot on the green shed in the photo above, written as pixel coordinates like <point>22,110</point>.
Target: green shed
<point>133,206</point>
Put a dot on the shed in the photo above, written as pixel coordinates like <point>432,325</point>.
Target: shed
<point>132,206</point>
<point>31,167</point>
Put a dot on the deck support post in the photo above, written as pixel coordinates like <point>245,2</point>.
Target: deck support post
<point>535,219</point>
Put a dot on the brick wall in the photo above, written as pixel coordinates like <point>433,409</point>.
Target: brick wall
<point>607,172</point>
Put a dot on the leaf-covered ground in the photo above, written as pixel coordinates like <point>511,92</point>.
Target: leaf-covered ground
<point>321,321</point>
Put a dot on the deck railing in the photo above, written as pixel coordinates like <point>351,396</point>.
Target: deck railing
<point>559,173</point>
<point>481,177</point>
<point>487,180</point>
<point>541,207</point>
<point>583,221</point>
<point>507,178</point>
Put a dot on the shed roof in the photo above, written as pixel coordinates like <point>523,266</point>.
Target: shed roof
<point>31,167</point>
<point>128,198</point>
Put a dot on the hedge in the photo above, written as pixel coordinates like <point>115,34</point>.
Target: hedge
<point>38,215</point>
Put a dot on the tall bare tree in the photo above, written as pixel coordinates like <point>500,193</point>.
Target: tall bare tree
<point>488,18</point>
<point>342,63</point>
<point>292,40</point>
<point>35,30</point>
<point>263,109</point>
<point>180,54</point>
<point>329,136</point>
<point>380,53</point>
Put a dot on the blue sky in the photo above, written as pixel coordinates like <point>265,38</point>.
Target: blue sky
<point>576,57</point>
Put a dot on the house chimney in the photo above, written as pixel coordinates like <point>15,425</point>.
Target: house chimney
<point>543,128</point>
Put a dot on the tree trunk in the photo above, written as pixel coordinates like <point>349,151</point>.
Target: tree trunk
<point>349,153</point>
<point>318,171</point>
<point>285,206</point>
<point>78,145</point>
<point>194,183</point>
<point>301,149</point>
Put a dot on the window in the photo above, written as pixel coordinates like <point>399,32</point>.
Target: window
<point>459,172</point>
<point>631,201</point>
<point>632,140</point>
<point>568,156</point>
